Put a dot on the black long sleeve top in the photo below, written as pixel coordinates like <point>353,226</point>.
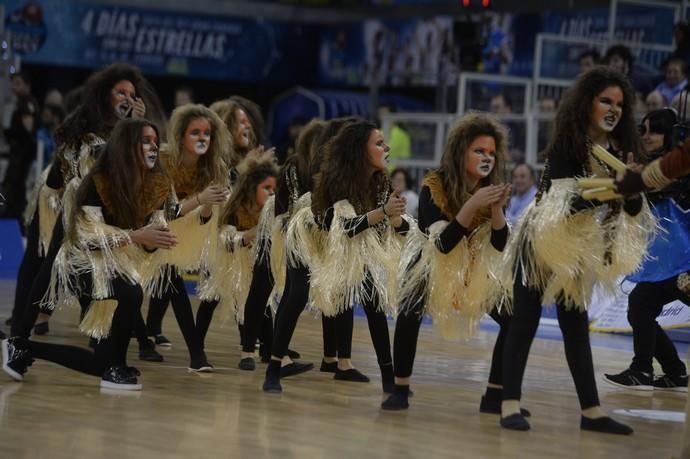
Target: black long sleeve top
<point>452,234</point>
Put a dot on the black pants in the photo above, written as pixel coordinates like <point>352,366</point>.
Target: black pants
<point>645,303</point>
<point>293,302</point>
<point>258,318</point>
<point>40,284</point>
<point>578,352</point>
<point>28,270</point>
<point>407,332</point>
<point>109,352</point>
<point>175,292</point>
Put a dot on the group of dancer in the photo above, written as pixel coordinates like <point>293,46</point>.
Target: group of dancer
<point>127,208</point>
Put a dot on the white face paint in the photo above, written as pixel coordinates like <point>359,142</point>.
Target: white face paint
<point>121,96</point>
<point>607,108</point>
<point>480,157</point>
<point>197,136</point>
<point>149,146</point>
<point>201,146</point>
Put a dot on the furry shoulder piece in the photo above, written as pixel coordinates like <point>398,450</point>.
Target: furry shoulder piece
<point>338,275</point>
<point>100,251</point>
<point>564,254</point>
<point>184,178</point>
<point>457,288</point>
<point>438,195</point>
<point>156,190</point>
<point>229,273</point>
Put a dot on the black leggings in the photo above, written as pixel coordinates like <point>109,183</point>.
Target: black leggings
<point>40,285</point>
<point>204,316</point>
<point>407,333</point>
<point>293,302</point>
<point>578,352</point>
<point>31,264</point>
<point>645,303</point>
<point>108,352</point>
<point>258,318</point>
<point>175,292</point>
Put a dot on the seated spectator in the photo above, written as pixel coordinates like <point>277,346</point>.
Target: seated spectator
<point>656,101</point>
<point>619,58</point>
<point>51,117</point>
<point>547,105</point>
<point>524,191</point>
<point>402,180</point>
<point>53,97</point>
<point>675,78</point>
<point>184,95</point>
<point>501,105</point>
<point>588,60</point>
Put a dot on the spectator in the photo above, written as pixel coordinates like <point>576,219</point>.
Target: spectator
<point>547,105</point>
<point>588,60</point>
<point>619,58</point>
<point>398,138</point>
<point>184,95</point>
<point>501,105</point>
<point>675,78</point>
<point>524,191</point>
<point>21,137</point>
<point>681,35</point>
<point>53,97</point>
<point>402,180</point>
<point>656,101</point>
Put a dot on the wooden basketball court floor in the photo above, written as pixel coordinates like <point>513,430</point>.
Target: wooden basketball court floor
<point>57,413</point>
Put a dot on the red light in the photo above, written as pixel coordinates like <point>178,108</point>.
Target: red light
<point>485,3</point>
<point>465,3</point>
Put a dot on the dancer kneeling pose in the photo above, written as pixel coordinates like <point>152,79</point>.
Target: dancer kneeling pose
<point>100,259</point>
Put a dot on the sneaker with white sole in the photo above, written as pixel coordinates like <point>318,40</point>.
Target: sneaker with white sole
<point>15,358</point>
<point>671,384</point>
<point>631,379</point>
<point>120,378</point>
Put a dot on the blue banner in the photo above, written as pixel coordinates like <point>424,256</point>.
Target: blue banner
<point>160,42</point>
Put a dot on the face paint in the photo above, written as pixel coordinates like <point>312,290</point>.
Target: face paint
<point>265,190</point>
<point>241,132</point>
<point>197,136</point>
<point>480,157</point>
<point>149,146</point>
<point>377,150</point>
<point>121,98</point>
<point>607,108</point>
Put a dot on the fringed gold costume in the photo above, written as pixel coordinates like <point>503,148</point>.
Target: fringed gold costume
<point>230,273</point>
<point>456,288</point>
<point>340,264</point>
<point>48,203</point>
<point>564,254</point>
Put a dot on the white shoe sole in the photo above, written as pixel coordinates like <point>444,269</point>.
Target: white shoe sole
<point>114,386</point>
<point>5,357</point>
<point>200,370</point>
<point>683,390</point>
<point>639,388</point>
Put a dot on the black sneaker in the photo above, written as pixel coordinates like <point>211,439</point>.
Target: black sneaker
<point>671,384</point>
<point>294,355</point>
<point>351,374</point>
<point>120,378</point>
<point>631,379</point>
<point>328,367</point>
<point>42,328</point>
<point>162,341</point>
<point>200,365</point>
<point>272,381</point>
<point>148,353</point>
<point>295,368</point>
<point>15,358</point>
<point>247,364</point>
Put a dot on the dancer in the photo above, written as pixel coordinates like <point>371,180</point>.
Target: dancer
<point>449,261</point>
<point>565,244</point>
<point>119,91</point>
<point>100,260</point>
<point>660,278</point>
<point>293,178</point>
<point>229,274</point>
<point>352,202</point>
<point>198,142</point>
